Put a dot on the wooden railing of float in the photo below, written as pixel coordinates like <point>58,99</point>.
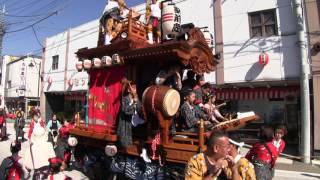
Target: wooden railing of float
<point>135,28</point>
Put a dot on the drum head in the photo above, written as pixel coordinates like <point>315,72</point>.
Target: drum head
<point>171,102</point>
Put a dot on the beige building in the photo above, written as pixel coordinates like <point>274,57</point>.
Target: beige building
<point>22,83</point>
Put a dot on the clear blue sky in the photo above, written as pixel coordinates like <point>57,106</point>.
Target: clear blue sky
<point>74,13</point>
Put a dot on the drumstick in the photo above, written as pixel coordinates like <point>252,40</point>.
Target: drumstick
<point>220,105</point>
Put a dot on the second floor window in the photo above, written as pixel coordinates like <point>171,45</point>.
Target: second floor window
<point>55,62</point>
<point>9,84</point>
<point>263,23</point>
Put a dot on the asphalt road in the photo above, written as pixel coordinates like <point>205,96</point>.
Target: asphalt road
<point>279,174</point>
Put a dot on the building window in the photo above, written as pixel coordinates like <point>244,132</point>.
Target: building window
<point>55,62</point>
<point>9,84</point>
<point>263,23</point>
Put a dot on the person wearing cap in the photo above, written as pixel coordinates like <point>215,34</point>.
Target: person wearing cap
<point>278,142</point>
<point>245,168</point>
<point>214,162</point>
<point>56,169</point>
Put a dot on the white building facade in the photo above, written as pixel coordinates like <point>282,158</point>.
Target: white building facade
<point>3,67</point>
<point>64,88</point>
<point>259,67</point>
<point>22,83</point>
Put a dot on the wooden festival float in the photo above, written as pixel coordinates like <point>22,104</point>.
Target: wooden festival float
<point>140,61</point>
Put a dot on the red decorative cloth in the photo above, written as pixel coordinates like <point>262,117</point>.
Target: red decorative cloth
<point>2,119</point>
<point>155,142</point>
<point>260,152</point>
<point>42,123</point>
<point>64,131</point>
<point>67,157</point>
<point>105,96</point>
<point>55,160</point>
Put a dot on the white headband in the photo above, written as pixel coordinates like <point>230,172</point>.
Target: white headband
<point>240,144</point>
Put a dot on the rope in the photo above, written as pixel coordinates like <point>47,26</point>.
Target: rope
<point>152,100</point>
<point>154,144</point>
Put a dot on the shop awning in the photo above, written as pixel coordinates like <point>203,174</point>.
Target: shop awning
<point>256,93</point>
<point>75,96</point>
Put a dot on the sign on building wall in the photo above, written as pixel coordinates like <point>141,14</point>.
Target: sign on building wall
<point>22,87</point>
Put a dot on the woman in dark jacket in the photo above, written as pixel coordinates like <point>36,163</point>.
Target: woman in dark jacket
<point>130,106</point>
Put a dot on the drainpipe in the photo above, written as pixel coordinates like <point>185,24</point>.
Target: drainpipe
<point>304,83</point>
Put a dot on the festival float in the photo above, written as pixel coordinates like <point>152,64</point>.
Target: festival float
<point>136,48</point>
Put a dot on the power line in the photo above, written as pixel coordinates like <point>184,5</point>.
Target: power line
<point>25,16</point>
<point>35,34</point>
<point>29,26</point>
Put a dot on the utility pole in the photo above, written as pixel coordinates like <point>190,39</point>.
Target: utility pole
<point>304,82</point>
<point>2,31</point>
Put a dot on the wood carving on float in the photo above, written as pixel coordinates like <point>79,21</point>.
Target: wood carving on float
<point>201,60</point>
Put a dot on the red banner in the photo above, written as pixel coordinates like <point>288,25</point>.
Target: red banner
<point>105,96</point>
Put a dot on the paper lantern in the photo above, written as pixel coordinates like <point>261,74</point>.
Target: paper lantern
<point>171,21</point>
<point>70,82</point>
<point>96,62</point>
<point>72,141</point>
<point>79,65</point>
<point>110,150</point>
<point>106,61</point>
<point>263,58</point>
<point>116,59</point>
<point>50,80</point>
<point>87,64</point>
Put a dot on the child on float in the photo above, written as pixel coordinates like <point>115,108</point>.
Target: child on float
<point>212,111</point>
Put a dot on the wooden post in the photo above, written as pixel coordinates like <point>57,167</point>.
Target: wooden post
<point>201,136</point>
<point>130,24</point>
<point>78,120</point>
<point>164,127</point>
